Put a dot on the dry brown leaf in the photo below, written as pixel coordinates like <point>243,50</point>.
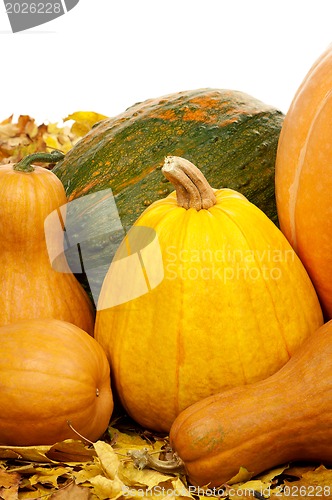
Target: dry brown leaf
<point>25,453</point>
<point>66,451</point>
<point>7,120</point>
<point>9,483</point>
<point>69,451</point>
<point>315,483</point>
<point>25,136</point>
<point>71,492</point>
<point>268,476</point>
<point>297,470</point>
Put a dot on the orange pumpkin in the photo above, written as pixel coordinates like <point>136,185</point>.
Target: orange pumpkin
<point>29,286</point>
<point>204,293</point>
<point>283,418</point>
<point>52,374</point>
<point>304,176</point>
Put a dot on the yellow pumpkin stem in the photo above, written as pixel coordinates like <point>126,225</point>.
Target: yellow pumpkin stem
<point>192,189</point>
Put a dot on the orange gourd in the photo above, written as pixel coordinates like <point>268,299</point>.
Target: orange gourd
<point>286,417</point>
<point>304,176</point>
<point>52,375</point>
<point>29,286</point>
<point>204,293</point>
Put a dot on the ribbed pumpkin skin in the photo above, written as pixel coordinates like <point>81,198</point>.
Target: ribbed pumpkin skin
<point>286,417</point>
<point>29,286</point>
<point>304,176</point>
<point>234,304</point>
<point>230,135</point>
<point>51,372</point>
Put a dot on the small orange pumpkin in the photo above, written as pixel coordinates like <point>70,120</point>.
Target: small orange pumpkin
<point>52,374</point>
<point>304,176</point>
<point>29,286</point>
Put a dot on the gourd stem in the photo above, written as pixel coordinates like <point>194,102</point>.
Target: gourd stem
<point>143,459</point>
<point>192,189</point>
<point>25,165</point>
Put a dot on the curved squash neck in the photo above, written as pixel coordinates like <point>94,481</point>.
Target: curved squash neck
<point>192,189</point>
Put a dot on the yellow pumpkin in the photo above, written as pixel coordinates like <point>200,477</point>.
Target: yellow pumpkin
<point>226,300</point>
<point>30,287</point>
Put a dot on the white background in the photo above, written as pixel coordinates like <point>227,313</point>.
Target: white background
<point>105,55</point>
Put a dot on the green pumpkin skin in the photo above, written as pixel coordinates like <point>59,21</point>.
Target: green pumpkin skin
<point>231,136</point>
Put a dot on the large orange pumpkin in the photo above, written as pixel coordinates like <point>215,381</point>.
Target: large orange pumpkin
<point>204,293</point>
<point>52,375</point>
<point>304,176</point>
<point>283,418</point>
<point>29,285</point>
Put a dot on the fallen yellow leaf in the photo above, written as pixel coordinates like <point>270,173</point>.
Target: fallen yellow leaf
<point>84,121</point>
<point>106,488</point>
<point>109,460</point>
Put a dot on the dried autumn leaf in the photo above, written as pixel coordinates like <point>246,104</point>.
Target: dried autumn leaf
<point>25,136</point>
<point>125,441</point>
<point>71,492</point>
<point>297,470</point>
<point>19,139</point>
<point>23,123</point>
<point>49,476</point>
<point>66,451</point>
<point>180,489</point>
<point>131,476</point>
<point>37,492</point>
<point>106,488</point>
<point>8,129</point>
<point>60,138</point>
<point>122,474</point>
<point>7,120</point>
<point>320,476</point>
<point>109,460</point>
<point>84,121</point>
<point>242,476</point>
<point>268,476</point>
<point>8,480</point>
<point>87,472</point>
<point>313,483</point>
<point>69,451</point>
<point>254,488</point>
<point>25,453</point>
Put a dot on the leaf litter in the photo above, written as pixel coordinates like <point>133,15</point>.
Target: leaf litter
<point>105,470</point>
<point>23,136</point>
